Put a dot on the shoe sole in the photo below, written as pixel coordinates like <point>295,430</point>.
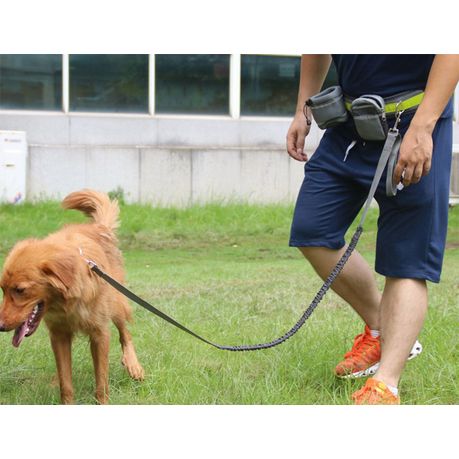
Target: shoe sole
<point>417,349</point>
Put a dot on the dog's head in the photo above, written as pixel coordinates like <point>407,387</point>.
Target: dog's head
<point>35,276</point>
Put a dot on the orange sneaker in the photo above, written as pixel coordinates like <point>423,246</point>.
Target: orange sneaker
<point>375,392</point>
<point>363,359</point>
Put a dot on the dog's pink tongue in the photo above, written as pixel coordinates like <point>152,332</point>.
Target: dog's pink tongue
<point>19,334</point>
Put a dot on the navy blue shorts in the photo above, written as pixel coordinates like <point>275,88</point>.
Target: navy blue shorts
<point>412,226</point>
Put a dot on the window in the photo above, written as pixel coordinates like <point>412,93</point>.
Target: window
<point>269,84</point>
<point>109,83</point>
<point>31,81</point>
<point>192,83</point>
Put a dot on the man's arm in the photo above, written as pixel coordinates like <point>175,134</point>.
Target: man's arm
<point>416,149</point>
<point>314,68</point>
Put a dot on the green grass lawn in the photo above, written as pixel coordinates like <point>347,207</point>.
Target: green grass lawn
<point>227,273</point>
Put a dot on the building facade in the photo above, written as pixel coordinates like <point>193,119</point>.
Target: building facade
<point>170,130</point>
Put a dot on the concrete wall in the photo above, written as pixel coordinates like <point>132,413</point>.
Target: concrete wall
<point>164,161</point>
<point>167,161</point>
<point>166,176</point>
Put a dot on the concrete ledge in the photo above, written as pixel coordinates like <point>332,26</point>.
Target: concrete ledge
<point>166,176</point>
<point>133,130</point>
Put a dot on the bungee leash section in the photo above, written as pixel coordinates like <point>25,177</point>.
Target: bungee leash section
<point>244,347</point>
<point>389,153</point>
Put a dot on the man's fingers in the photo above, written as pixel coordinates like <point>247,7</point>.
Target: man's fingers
<point>300,147</point>
<point>427,167</point>
<point>415,156</point>
<point>399,168</point>
<point>300,143</point>
<point>302,156</point>
<point>417,173</point>
<point>291,145</point>
<point>408,176</point>
<point>291,142</point>
<point>295,145</point>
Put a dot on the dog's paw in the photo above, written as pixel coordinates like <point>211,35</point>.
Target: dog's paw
<point>134,369</point>
<point>136,372</point>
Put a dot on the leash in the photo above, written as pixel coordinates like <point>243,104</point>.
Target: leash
<point>389,155</point>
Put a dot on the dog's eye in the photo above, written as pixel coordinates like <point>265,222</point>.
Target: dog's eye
<point>19,290</point>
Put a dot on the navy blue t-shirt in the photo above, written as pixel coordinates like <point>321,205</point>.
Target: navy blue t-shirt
<point>384,74</point>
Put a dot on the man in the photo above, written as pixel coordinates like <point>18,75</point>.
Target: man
<point>412,225</point>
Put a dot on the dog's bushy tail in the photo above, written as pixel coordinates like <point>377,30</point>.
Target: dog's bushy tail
<point>96,206</point>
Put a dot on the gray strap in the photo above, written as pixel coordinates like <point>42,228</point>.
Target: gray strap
<point>390,150</point>
<point>391,188</point>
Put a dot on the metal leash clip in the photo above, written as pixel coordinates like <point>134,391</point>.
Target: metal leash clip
<point>92,264</point>
<point>398,116</point>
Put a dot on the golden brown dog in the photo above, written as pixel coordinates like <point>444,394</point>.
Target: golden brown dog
<point>49,279</point>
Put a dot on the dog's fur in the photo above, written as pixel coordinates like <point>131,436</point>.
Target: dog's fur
<point>53,274</point>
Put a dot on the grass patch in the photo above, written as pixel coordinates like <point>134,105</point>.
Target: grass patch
<point>228,273</point>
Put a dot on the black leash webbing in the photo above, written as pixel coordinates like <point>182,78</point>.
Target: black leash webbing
<point>390,150</point>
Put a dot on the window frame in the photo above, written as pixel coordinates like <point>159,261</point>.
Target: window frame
<point>234,97</point>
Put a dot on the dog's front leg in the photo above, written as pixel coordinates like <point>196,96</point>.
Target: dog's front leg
<point>100,342</point>
<point>61,343</point>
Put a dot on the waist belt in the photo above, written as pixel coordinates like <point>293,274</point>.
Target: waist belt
<point>369,111</point>
<point>397,103</point>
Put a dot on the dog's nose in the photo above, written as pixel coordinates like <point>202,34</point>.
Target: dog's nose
<point>2,327</point>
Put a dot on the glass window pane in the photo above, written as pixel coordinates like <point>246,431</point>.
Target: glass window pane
<point>269,84</point>
<point>31,81</point>
<point>109,83</point>
<point>192,83</point>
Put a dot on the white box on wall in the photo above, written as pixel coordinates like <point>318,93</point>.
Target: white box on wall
<point>13,166</point>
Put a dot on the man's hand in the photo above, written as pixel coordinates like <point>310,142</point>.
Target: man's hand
<point>314,68</point>
<point>415,155</point>
<point>295,137</point>
<point>416,149</point>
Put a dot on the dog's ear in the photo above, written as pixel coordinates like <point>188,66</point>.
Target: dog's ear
<point>60,273</point>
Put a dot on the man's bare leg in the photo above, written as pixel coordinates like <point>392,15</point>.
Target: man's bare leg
<point>403,309</point>
<point>356,284</point>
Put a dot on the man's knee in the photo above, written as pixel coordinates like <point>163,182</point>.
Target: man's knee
<point>314,253</point>
<point>405,282</point>
<point>308,251</point>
